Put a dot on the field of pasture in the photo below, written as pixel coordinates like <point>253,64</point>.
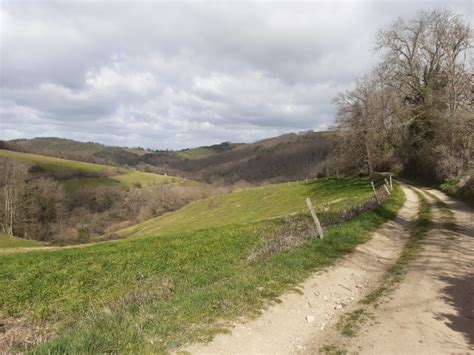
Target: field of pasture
<point>183,276</point>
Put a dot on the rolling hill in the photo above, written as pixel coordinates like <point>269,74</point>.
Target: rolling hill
<point>62,201</point>
<point>75,150</point>
<point>287,157</point>
<point>258,203</point>
<point>74,174</point>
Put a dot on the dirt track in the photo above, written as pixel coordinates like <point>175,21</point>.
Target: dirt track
<point>291,326</point>
<point>431,311</point>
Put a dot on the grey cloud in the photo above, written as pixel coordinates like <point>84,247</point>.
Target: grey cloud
<point>166,75</point>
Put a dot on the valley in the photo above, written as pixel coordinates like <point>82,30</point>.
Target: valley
<point>237,177</point>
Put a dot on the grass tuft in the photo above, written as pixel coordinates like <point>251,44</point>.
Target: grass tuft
<point>332,350</point>
<point>350,323</point>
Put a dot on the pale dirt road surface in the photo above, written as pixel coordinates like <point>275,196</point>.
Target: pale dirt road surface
<point>291,326</point>
<point>432,311</point>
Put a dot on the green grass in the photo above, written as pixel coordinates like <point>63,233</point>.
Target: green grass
<point>130,179</point>
<point>453,188</point>
<point>351,323</point>
<point>144,179</point>
<point>202,152</point>
<point>197,153</point>
<point>95,175</point>
<point>156,294</point>
<point>148,179</point>
<point>75,184</point>
<point>57,164</point>
<point>332,349</point>
<point>7,241</point>
<point>257,204</point>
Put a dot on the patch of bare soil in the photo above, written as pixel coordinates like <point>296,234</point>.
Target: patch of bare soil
<point>289,326</point>
<point>20,331</point>
<point>432,310</point>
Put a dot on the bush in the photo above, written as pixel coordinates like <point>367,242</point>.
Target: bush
<point>460,187</point>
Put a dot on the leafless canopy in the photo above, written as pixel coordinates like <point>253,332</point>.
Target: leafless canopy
<point>415,107</point>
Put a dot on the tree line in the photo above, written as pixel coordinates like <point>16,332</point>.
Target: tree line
<point>414,111</point>
<point>33,205</point>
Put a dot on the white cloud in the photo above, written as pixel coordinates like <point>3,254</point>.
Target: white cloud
<point>177,75</point>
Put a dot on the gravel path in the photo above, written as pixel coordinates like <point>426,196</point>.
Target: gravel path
<point>432,311</point>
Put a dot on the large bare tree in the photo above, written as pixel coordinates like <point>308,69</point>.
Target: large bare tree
<point>418,100</point>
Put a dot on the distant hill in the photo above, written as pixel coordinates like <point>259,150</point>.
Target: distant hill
<point>83,151</point>
<point>205,151</point>
<point>75,174</point>
<point>287,157</point>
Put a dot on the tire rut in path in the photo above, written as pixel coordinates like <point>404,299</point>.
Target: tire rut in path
<point>432,310</point>
<point>288,327</point>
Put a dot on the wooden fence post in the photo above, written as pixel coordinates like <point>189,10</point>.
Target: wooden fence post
<point>391,186</point>
<point>375,192</point>
<point>315,218</point>
<point>386,189</point>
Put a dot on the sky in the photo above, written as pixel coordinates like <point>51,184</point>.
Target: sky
<point>178,75</point>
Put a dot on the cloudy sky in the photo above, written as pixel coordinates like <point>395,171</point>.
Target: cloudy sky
<point>169,75</point>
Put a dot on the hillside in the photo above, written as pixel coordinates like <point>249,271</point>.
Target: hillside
<point>205,151</point>
<point>62,201</point>
<point>74,150</point>
<point>180,278</point>
<point>255,204</point>
<point>7,242</point>
<point>288,157</point>
<point>75,174</point>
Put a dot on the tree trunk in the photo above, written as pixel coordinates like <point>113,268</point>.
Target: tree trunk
<point>370,167</point>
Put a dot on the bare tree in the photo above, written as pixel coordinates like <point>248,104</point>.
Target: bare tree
<point>13,175</point>
<point>426,58</point>
<point>418,100</point>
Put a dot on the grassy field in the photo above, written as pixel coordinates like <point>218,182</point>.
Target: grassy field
<point>75,184</point>
<point>94,175</point>
<point>153,294</point>
<point>57,164</point>
<point>202,152</point>
<point>259,203</point>
<point>129,179</point>
<point>7,241</point>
